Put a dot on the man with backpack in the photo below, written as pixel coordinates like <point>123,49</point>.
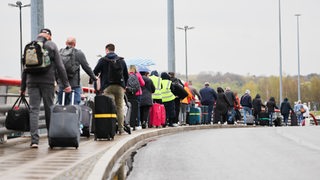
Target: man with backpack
<point>72,58</point>
<point>40,79</point>
<point>114,76</point>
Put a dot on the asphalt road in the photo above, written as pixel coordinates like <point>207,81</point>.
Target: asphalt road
<point>232,153</point>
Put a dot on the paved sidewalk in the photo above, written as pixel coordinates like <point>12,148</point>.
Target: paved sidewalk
<point>92,160</point>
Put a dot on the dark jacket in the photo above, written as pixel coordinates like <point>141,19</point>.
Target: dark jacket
<point>231,98</point>
<point>208,95</point>
<point>48,77</point>
<point>222,103</point>
<point>285,107</point>
<point>80,60</point>
<point>271,105</point>
<point>257,104</point>
<point>246,100</point>
<point>147,90</point>
<point>102,69</point>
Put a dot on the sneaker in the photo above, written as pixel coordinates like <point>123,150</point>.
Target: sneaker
<point>219,122</point>
<point>138,128</point>
<point>175,125</point>
<point>235,123</point>
<point>143,125</point>
<point>225,123</point>
<point>34,145</point>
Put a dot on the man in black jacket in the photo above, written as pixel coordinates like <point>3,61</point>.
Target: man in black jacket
<point>246,103</point>
<point>232,99</point>
<point>208,98</point>
<point>285,110</point>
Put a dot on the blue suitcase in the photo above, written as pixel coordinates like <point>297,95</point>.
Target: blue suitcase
<point>194,116</point>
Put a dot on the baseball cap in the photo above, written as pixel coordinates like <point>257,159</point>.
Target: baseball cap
<point>45,30</point>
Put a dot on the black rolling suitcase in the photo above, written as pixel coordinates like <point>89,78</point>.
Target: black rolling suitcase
<point>105,116</point>
<point>87,114</point>
<point>86,119</point>
<point>64,129</point>
<point>294,119</point>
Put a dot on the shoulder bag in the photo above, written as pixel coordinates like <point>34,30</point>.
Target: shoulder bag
<point>18,116</point>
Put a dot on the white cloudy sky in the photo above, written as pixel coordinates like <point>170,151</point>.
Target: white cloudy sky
<point>238,36</point>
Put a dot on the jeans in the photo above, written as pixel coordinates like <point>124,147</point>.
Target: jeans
<point>210,111</point>
<point>245,111</point>
<point>232,114</point>
<point>36,93</point>
<point>270,118</point>
<point>285,119</point>
<point>300,118</point>
<point>68,96</point>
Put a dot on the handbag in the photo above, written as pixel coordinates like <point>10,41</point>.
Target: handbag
<point>18,116</point>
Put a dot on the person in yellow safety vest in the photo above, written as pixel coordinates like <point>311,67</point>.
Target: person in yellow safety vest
<point>168,98</point>
<point>156,96</point>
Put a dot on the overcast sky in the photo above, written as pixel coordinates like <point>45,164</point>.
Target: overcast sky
<point>237,36</point>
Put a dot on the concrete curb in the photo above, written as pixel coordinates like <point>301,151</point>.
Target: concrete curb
<point>104,165</point>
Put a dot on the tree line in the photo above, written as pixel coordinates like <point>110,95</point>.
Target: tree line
<point>266,86</point>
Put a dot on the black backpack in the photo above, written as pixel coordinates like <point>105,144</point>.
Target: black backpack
<point>68,58</point>
<point>115,71</point>
<point>36,58</point>
<point>133,84</point>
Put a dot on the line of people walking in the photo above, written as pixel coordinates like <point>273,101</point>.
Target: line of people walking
<point>113,78</point>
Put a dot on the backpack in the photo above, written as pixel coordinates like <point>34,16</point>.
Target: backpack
<point>115,71</point>
<point>36,58</point>
<point>244,100</point>
<point>69,61</point>
<point>133,84</point>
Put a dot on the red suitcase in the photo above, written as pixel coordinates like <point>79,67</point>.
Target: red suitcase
<point>157,115</point>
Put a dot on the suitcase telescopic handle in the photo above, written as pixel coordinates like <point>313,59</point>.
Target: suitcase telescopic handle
<point>64,97</point>
<point>90,92</point>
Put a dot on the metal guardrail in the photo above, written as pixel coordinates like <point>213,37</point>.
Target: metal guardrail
<point>7,98</point>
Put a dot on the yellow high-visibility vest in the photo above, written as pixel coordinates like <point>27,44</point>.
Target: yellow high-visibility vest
<point>157,84</point>
<point>166,93</point>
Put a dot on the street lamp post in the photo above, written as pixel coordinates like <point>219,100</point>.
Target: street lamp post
<point>280,53</point>
<point>185,28</point>
<point>298,50</point>
<point>20,6</point>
